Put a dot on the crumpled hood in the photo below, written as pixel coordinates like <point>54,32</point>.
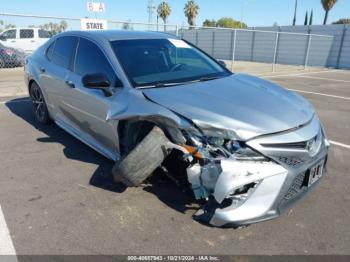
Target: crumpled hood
<point>247,105</point>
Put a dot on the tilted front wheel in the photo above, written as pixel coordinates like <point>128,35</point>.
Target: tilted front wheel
<point>141,161</point>
<point>39,106</point>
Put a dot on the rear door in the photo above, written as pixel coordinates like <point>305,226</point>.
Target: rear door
<point>43,37</point>
<point>88,108</point>
<point>54,75</point>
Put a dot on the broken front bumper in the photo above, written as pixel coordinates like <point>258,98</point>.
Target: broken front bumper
<point>271,197</point>
<point>279,186</point>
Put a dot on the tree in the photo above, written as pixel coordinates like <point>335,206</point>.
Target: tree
<point>295,12</point>
<point>63,26</point>
<point>311,17</point>
<point>327,6</point>
<point>275,24</point>
<point>191,11</point>
<point>127,26</point>
<point>342,21</point>
<point>306,18</point>
<point>228,22</point>
<point>10,26</point>
<point>6,26</point>
<point>164,11</point>
<point>53,27</point>
<point>209,23</point>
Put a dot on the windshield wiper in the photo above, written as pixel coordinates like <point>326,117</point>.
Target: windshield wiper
<point>166,84</point>
<point>208,78</point>
<point>159,85</point>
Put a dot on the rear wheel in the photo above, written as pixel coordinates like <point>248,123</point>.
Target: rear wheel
<point>39,106</point>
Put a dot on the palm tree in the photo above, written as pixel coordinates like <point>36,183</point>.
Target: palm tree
<point>311,17</point>
<point>327,6</point>
<point>191,11</point>
<point>295,12</point>
<point>306,18</point>
<point>164,11</point>
<point>63,26</point>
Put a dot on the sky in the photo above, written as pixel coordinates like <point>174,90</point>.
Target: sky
<point>253,12</point>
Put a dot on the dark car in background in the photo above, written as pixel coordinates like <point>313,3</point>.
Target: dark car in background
<point>11,57</point>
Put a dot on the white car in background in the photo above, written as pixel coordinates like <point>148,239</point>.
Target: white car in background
<point>25,39</point>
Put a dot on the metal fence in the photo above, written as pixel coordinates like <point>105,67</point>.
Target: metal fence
<point>268,49</point>
<point>265,47</point>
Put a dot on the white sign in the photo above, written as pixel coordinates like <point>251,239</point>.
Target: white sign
<point>179,43</point>
<point>93,24</point>
<point>95,7</point>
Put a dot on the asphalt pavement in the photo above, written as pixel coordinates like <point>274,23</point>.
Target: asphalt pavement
<point>58,196</point>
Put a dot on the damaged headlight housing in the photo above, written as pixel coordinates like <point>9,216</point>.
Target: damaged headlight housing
<point>217,147</point>
<point>210,151</point>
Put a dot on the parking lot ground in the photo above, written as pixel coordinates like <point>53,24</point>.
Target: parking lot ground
<point>58,197</point>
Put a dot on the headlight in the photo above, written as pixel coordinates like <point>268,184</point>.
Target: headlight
<point>217,147</point>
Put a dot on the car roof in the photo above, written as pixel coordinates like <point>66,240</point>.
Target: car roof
<point>112,35</point>
<point>26,28</point>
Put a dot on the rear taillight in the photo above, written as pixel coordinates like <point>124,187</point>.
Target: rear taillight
<point>8,51</point>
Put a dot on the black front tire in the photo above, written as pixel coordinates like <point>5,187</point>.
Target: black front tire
<point>142,160</point>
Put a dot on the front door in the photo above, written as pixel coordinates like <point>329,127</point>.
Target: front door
<point>9,38</point>
<point>88,108</point>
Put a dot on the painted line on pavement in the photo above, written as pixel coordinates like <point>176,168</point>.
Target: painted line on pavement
<point>6,245</point>
<point>301,74</point>
<point>339,144</point>
<point>325,78</point>
<point>320,94</point>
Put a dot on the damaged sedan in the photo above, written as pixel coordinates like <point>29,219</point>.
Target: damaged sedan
<point>245,147</point>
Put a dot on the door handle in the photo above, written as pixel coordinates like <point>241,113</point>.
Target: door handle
<point>13,41</point>
<point>70,84</point>
<point>42,69</point>
<point>33,41</point>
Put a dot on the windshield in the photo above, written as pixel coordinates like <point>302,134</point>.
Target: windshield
<point>162,62</point>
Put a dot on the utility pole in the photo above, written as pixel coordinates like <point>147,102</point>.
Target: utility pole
<point>295,12</point>
<point>150,10</point>
<point>242,12</point>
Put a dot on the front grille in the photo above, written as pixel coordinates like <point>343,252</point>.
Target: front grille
<point>295,145</point>
<point>297,186</point>
<point>291,160</point>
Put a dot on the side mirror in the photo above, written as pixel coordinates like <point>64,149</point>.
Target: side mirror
<point>3,38</point>
<point>97,81</point>
<point>222,62</point>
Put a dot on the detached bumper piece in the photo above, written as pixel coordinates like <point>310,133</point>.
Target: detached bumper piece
<point>244,191</point>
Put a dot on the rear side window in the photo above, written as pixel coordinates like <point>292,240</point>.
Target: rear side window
<point>90,60</point>
<point>63,51</point>
<point>26,33</point>
<point>49,51</point>
<point>44,34</point>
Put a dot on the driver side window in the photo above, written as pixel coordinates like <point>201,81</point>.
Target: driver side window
<point>9,34</point>
<point>91,60</point>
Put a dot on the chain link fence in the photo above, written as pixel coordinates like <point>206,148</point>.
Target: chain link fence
<point>21,34</point>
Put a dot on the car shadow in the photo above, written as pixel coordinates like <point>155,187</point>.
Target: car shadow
<point>73,148</point>
<point>178,197</point>
<point>158,184</point>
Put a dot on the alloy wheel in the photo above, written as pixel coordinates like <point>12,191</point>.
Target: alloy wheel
<point>38,103</point>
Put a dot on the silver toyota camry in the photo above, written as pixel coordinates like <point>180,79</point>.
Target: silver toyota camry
<point>245,147</point>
